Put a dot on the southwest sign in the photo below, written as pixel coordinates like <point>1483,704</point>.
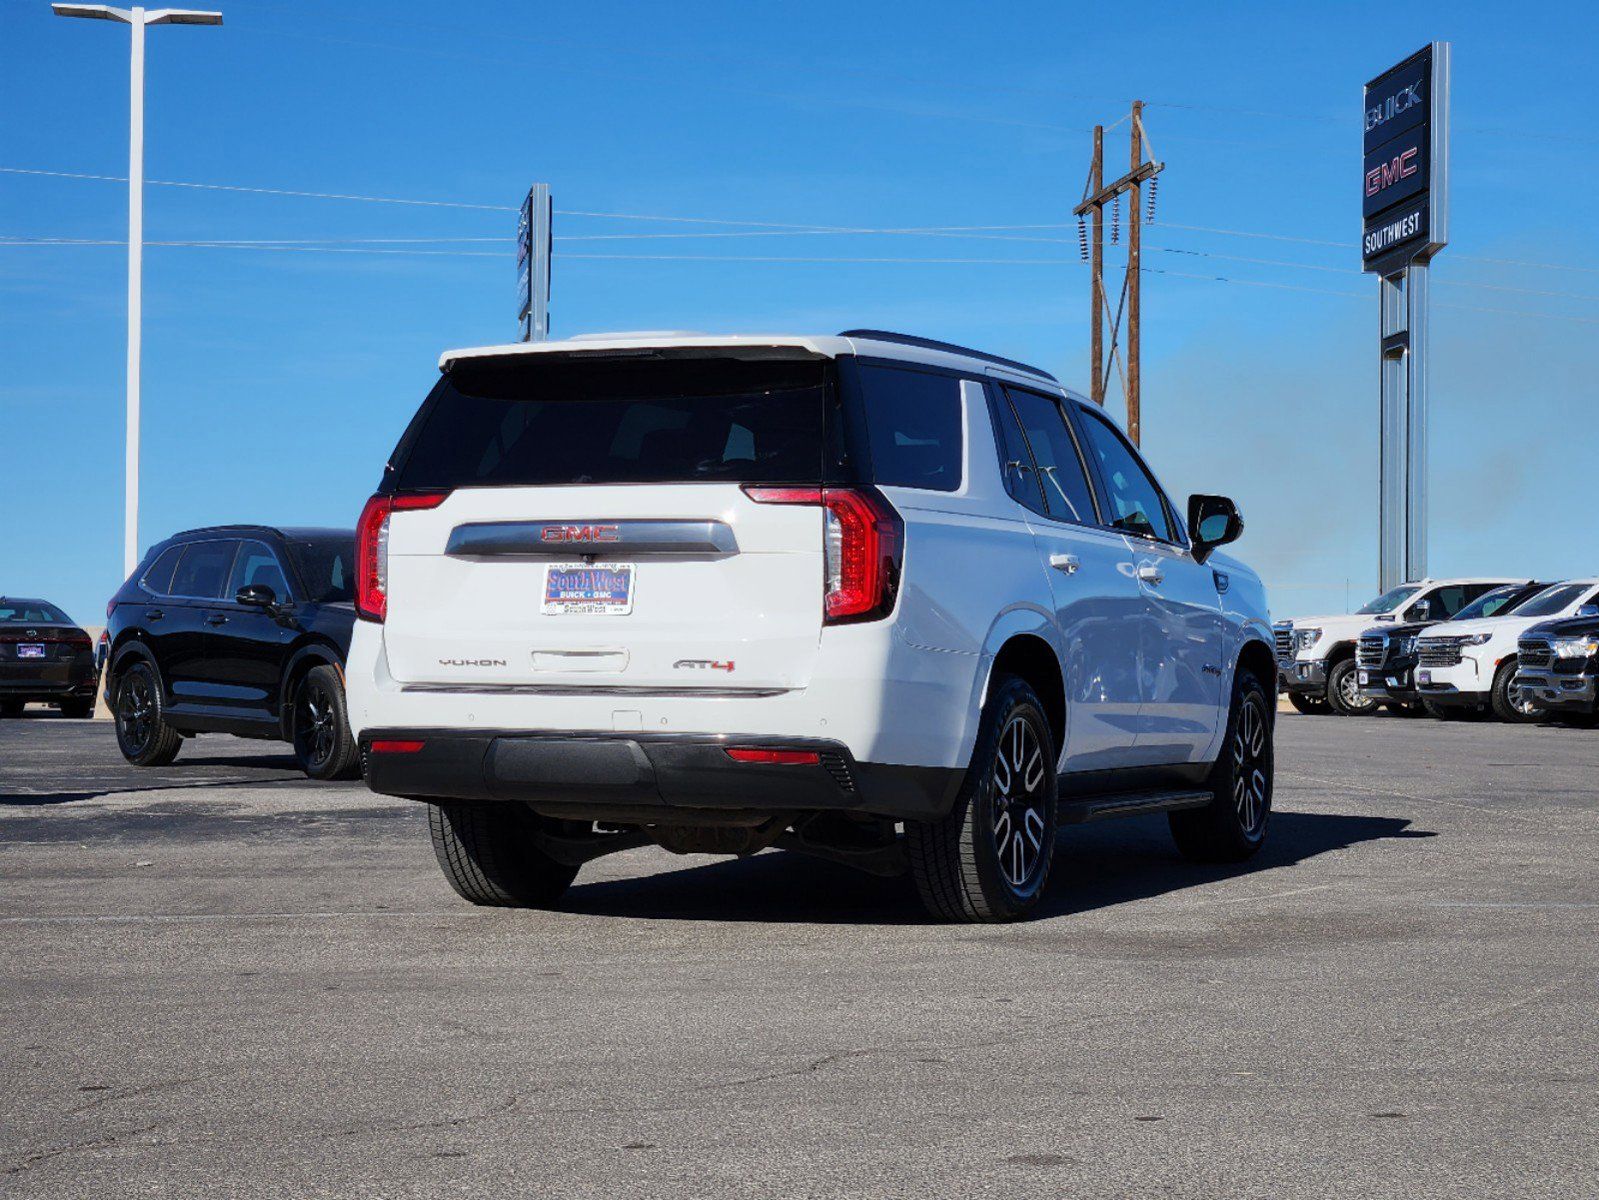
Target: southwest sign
<point>1404,171</point>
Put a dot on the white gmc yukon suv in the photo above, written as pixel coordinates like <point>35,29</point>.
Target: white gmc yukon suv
<point>880,599</point>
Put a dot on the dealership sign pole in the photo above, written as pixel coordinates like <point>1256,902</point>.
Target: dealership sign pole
<point>533,247</point>
<point>1405,206</point>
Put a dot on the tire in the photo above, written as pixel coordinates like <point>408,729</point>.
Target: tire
<point>1505,699</point>
<point>77,710</point>
<point>1343,691</point>
<point>143,735</point>
<point>488,855</point>
<point>1448,712</point>
<point>1311,706</point>
<point>989,859</point>
<point>12,708</point>
<point>1232,827</point>
<point>319,727</point>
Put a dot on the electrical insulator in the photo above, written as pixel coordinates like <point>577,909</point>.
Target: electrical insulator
<point>1082,237</point>
<point>1116,219</point>
<point>1154,183</point>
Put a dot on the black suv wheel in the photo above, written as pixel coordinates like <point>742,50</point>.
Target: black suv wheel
<point>143,735</point>
<point>320,727</point>
<point>989,859</point>
<point>1233,825</point>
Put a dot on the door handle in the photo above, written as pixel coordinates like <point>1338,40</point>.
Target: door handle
<point>1065,562</point>
<point>217,619</point>
<point>1151,574</point>
<point>153,614</point>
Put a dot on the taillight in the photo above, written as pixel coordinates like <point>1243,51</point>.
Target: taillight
<point>863,542</point>
<point>372,549</point>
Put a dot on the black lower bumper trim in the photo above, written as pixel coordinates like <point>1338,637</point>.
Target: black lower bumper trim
<point>649,777</point>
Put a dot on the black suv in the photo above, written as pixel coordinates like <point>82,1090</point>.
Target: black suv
<point>44,658</point>
<point>238,629</point>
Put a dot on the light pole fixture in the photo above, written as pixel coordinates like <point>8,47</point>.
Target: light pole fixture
<point>137,18</point>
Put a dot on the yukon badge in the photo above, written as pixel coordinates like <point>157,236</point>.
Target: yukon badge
<point>472,662</point>
<point>703,664</point>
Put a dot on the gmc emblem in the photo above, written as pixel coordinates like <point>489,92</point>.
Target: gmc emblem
<point>580,533</point>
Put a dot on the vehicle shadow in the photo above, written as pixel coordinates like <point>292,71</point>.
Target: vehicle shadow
<point>1096,866</point>
<point>283,770</point>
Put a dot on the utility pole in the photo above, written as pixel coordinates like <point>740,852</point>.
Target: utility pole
<point>137,18</point>
<point>1096,180</point>
<point>1142,166</point>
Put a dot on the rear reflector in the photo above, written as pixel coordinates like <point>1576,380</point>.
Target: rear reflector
<point>394,746</point>
<point>787,758</point>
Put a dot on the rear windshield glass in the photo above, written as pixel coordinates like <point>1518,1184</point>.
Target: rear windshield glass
<point>24,611</point>
<point>523,421</point>
<point>326,566</point>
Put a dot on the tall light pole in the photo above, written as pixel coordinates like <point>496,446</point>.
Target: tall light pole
<point>137,18</point>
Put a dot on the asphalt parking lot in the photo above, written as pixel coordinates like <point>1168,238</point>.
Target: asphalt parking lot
<point>219,979</point>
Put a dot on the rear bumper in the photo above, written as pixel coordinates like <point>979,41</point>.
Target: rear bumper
<point>644,778</point>
<point>48,680</point>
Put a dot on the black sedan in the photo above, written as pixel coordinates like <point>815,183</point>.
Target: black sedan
<point>44,658</point>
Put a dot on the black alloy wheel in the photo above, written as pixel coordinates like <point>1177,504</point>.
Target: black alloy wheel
<point>143,735</point>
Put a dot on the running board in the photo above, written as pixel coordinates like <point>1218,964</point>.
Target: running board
<point>1128,804</point>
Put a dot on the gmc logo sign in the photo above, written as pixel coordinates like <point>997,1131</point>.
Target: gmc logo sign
<point>1386,174</point>
<point>568,534</point>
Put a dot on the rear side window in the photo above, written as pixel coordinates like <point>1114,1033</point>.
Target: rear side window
<point>912,425</point>
<point>158,578</point>
<point>326,567</point>
<point>533,420</point>
<point>203,569</point>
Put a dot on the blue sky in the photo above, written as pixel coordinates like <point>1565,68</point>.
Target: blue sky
<point>276,380</point>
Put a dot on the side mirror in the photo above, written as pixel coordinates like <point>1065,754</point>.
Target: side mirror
<point>1421,610</point>
<point>1212,521</point>
<point>257,595</point>
<point>1588,610</point>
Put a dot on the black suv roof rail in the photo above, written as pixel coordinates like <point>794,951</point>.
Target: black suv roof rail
<point>229,529</point>
<point>906,339</point>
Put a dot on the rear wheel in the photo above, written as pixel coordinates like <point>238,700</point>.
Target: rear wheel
<point>1309,705</point>
<point>488,853</point>
<point>143,735</point>
<point>1509,701</point>
<point>1233,825</point>
<point>1343,691</point>
<point>77,709</point>
<point>320,727</point>
<point>989,859</point>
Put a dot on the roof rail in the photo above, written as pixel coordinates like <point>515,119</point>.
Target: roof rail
<point>905,339</point>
